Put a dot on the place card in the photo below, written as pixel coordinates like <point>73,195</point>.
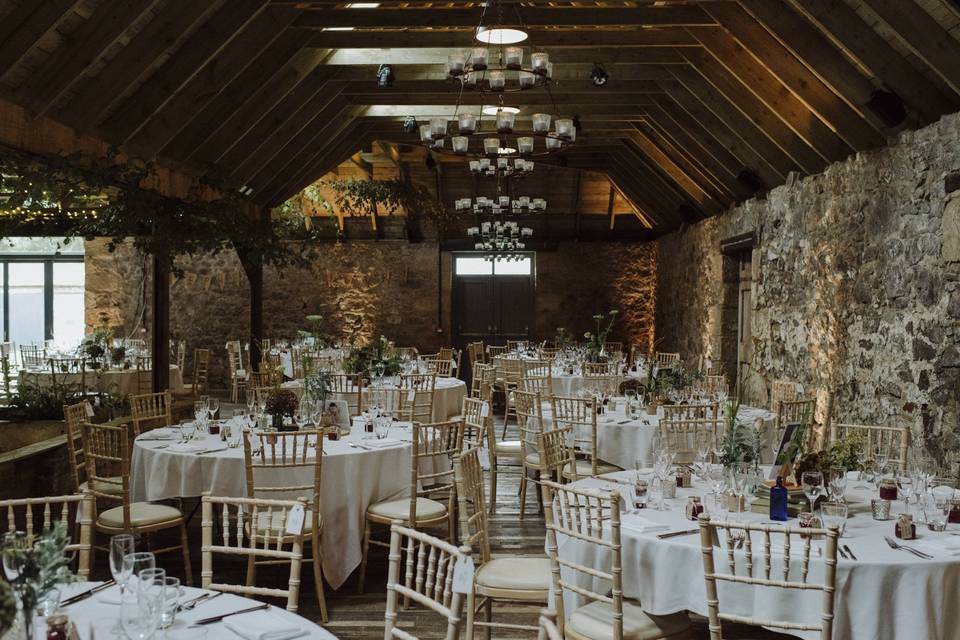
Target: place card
<point>295,519</point>
<point>463,575</point>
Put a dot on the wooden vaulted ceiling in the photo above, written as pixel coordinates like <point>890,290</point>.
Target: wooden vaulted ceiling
<point>708,102</point>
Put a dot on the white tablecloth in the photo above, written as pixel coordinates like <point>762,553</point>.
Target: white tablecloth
<point>94,617</point>
<point>885,594</point>
<point>117,381</point>
<point>572,385</point>
<point>447,398</point>
<point>353,478</point>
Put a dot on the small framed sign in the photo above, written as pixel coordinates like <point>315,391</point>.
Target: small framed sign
<point>783,461</point>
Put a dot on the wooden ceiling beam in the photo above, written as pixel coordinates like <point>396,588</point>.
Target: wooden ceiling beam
<point>26,25</point>
<point>673,191</point>
<point>87,43</point>
<point>438,55</point>
<point>231,146</point>
<point>261,44</point>
<point>808,45</point>
<point>667,16</point>
<point>710,80</point>
<point>757,79</point>
<point>571,39</point>
<point>205,43</point>
<point>95,96</point>
<point>829,105</point>
<point>628,184</point>
<point>860,42</point>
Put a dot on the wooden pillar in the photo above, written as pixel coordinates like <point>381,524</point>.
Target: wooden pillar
<point>161,322</point>
<point>254,271</point>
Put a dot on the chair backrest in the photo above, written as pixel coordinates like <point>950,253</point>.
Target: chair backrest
<point>74,415</point>
<point>513,345</point>
<point>556,454</point>
<point>280,457</point>
<point>472,505</point>
<point>529,406</point>
<point>33,356</point>
<point>691,411</point>
<point>151,410</point>
<point>350,387</point>
<point>773,540</point>
<point>259,379</point>
<point>548,626</point>
<point>417,391</point>
<point>794,411</point>
<point>434,440</point>
<point>685,437</point>
<point>495,351</point>
<point>107,453</point>
<point>144,366</point>
<point>477,423</point>
<point>35,516</point>
<point>442,367</point>
<point>252,528</point>
<point>537,368</point>
<point>201,371</point>
<point>894,442</point>
<point>510,369</point>
<point>538,384</point>
<point>714,384</point>
<point>234,358</point>
<point>593,518</point>
<point>581,415</point>
<point>783,390</point>
<point>667,360</point>
<point>613,348</point>
<point>599,369</point>
<point>181,355</point>
<point>488,377</point>
<point>475,353</point>
<point>425,577</point>
<point>62,369</point>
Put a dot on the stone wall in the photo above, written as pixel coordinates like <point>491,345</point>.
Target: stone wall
<point>855,284</point>
<point>391,287</point>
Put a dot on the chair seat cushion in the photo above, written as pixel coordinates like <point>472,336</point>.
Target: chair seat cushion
<point>142,514</point>
<point>516,578</point>
<point>112,486</point>
<point>595,621</point>
<point>585,469</point>
<point>532,460</point>
<point>427,509</point>
<point>509,448</point>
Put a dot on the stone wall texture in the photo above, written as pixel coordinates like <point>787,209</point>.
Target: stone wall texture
<point>855,285</point>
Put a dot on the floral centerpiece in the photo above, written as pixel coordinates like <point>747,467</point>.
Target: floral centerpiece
<point>281,403</point>
<point>846,453</point>
<point>741,442</point>
<point>596,341</point>
<point>376,358</point>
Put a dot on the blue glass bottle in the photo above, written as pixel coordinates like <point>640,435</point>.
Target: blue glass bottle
<point>778,501</point>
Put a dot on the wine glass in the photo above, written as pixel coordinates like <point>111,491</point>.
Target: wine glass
<point>140,617</point>
<point>251,402</point>
<point>905,489</point>
<point>838,484</point>
<point>812,482</point>
<point>15,541</point>
<point>751,483</point>
<point>213,406</point>
<point>199,413</point>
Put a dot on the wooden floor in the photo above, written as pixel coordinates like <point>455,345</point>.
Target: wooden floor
<point>354,615</point>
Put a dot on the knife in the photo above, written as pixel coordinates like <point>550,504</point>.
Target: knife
<point>232,613</point>
<point>89,592</point>
<point>675,534</point>
<point>849,551</point>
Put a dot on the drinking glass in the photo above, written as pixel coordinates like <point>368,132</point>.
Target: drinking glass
<point>171,600</point>
<point>187,429</point>
<point>121,546</point>
<point>838,484</point>
<point>812,482</point>
<point>834,512</point>
<point>140,616</point>
<point>905,489</point>
<point>205,401</point>
<point>213,406</point>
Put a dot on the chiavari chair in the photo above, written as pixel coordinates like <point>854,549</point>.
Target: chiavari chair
<point>259,380</point>
<point>509,375</point>
<point>252,528</point>
<point>349,386</point>
<point>513,345</point>
<point>692,411</point>
<point>74,415</point>
<point>181,356</point>
<point>238,375</point>
<point>426,578</point>
<point>667,360</point>
<point>538,384</point>
<point>436,442</point>
<point>488,382</point>
<point>476,354</point>
<point>529,405</point>
<point>151,410</point>
<point>417,395</point>
<point>477,379</point>
<point>107,454</point>
<point>593,518</point>
<point>783,390</point>
<point>581,414</point>
<point>33,356</point>
<point>713,384</point>
<point>613,349</point>
<point>557,458</point>
<point>548,626</point>
<point>893,442</point>
<point>686,436</point>
<point>66,371</point>
<point>8,357</point>
<point>504,578</point>
<point>36,516</point>
<point>479,431</point>
<point>774,540</point>
<point>285,465</point>
<point>199,376</point>
<point>495,351</point>
<point>536,368</point>
<point>144,369</point>
<point>441,367</point>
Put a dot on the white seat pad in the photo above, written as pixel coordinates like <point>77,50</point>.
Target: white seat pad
<point>509,447</point>
<point>595,621</point>
<point>516,574</point>
<point>427,509</point>
<point>142,514</point>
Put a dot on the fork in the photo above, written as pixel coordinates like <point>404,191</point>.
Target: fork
<point>896,545</point>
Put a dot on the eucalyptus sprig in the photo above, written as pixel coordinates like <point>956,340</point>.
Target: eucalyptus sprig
<point>43,564</point>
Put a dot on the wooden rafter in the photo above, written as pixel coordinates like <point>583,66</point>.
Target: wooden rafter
<point>25,26</point>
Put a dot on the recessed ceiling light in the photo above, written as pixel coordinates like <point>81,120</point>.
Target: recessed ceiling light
<point>338,29</point>
<point>492,111</point>
<point>505,151</point>
<point>363,5</point>
<point>499,35</point>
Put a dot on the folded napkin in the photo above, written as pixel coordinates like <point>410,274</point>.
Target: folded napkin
<point>386,442</point>
<point>641,525</point>
<point>264,625</point>
<point>188,447</point>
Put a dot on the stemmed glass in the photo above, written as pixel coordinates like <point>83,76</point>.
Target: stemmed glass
<point>12,562</point>
<point>905,488</point>
<point>141,617</point>
<point>121,546</point>
<point>751,481</point>
<point>838,484</point>
<point>834,513</point>
<point>812,482</point>
<point>213,406</point>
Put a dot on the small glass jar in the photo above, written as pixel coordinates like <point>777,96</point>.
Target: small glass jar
<point>904,527</point>
<point>58,626</point>
<point>460,144</point>
<point>505,121</point>
<point>564,127</point>
<point>497,80</point>
<point>425,135</point>
<point>552,142</point>
<point>888,489</point>
<point>504,200</point>
<point>513,57</point>
<point>525,144</point>
<point>694,507</point>
<point>527,80</point>
<point>539,61</point>
<point>467,123</point>
<point>954,516</point>
<point>491,145</point>
<point>541,122</point>
<point>478,58</point>
<point>455,64</point>
<point>880,509</point>
<point>438,128</point>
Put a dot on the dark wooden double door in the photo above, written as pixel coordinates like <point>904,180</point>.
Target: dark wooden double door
<point>492,308</point>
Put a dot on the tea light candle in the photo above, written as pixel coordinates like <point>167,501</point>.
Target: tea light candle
<point>467,122</point>
<point>438,127</point>
<point>513,57</point>
<point>497,80</point>
<point>460,144</point>
<point>478,58</point>
<point>502,163</point>
<point>539,61</point>
<point>541,122</point>
<point>490,146</point>
<point>455,63</point>
<point>527,80</point>
<point>525,201</point>
<point>474,165</point>
<point>504,201</point>
<point>525,144</point>
<point>505,121</point>
<point>564,127</point>
<point>484,162</point>
<point>425,135</point>
<point>552,142</point>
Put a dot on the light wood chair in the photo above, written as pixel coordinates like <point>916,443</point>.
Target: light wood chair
<point>763,561</point>
<point>426,578</point>
<point>529,407</point>
<point>478,379</point>
<point>36,516</point>
<point>488,381</point>
<point>476,354</point>
<point>509,375</point>
<point>259,379</point>
<point>434,442</point>
<point>295,457</point>
<point>151,410</point>
<point>107,453</point>
<point>538,384</point>
<point>789,412</point>
<point>667,360</point>
<point>479,431</point>
<point>548,626</point>
<point>557,457</point>
<point>593,518</point>
<point>513,345</point>
<point>536,368</point>
<point>613,347</point>
<point>581,415</point>
<point>417,396</point>
<point>713,384</point>
<point>199,376</point>
<point>685,436</point>
<point>691,411</point>
<point>441,367</point>
<point>495,351</point>
<point>252,528</point>
<point>144,368</point>
<point>74,415</point>
<point>350,387</point>
<point>508,578</point>
<point>238,375</point>
<point>893,441</point>
<point>180,357</point>
<point>783,390</point>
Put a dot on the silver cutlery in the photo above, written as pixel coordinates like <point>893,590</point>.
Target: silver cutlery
<point>849,552</point>
<point>189,605</point>
<point>86,594</point>
<point>896,545</point>
<point>676,534</point>
<point>842,553</point>
<point>232,613</point>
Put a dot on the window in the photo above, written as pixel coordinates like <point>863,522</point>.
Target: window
<point>43,290</point>
<point>479,266</point>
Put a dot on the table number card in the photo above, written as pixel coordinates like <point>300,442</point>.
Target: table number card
<point>295,518</point>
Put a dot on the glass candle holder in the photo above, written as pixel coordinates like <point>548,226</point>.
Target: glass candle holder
<point>467,122</point>
<point>505,121</point>
<point>490,146</point>
<point>460,144</point>
<point>438,127</point>
<point>478,58</point>
<point>541,122</point>
<point>439,143</point>
<point>470,79</point>
<point>455,63</point>
<point>497,80</point>
<point>513,57</point>
<point>552,143</point>
<point>525,144</point>
<point>475,166</point>
<point>539,61</point>
<point>880,509</point>
<point>485,162</point>
<point>504,200</point>
<point>564,127</point>
<point>524,201</point>
<point>527,80</point>
<point>539,204</point>
<point>425,135</point>
<point>502,163</point>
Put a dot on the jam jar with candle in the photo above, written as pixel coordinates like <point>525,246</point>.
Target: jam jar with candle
<point>694,508</point>
<point>904,527</point>
<point>888,489</point>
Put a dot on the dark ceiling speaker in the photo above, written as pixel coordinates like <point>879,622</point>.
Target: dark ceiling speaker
<point>751,180</point>
<point>599,75</point>
<point>384,76</point>
<point>887,106</point>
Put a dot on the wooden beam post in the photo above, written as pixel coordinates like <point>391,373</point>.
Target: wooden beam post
<point>161,322</point>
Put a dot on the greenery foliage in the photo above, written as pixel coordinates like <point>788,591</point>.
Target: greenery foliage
<point>741,442</point>
<point>368,197</point>
<point>597,340</point>
<point>373,358</point>
<point>44,564</point>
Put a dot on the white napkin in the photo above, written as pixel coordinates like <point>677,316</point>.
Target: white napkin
<point>264,625</point>
<point>112,595</point>
<point>188,447</point>
<point>385,442</point>
<point>641,525</point>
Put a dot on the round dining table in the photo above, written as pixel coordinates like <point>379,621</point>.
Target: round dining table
<point>356,472</point>
<point>94,617</point>
<point>881,592</point>
<point>117,381</point>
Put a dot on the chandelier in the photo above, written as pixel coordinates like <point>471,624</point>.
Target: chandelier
<point>518,168</point>
<point>482,205</point>
<point>500,240</point>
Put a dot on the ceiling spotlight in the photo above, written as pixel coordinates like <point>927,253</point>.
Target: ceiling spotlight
<point>384,76</point>
<point>599,75</point>
<point>409,125</point>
